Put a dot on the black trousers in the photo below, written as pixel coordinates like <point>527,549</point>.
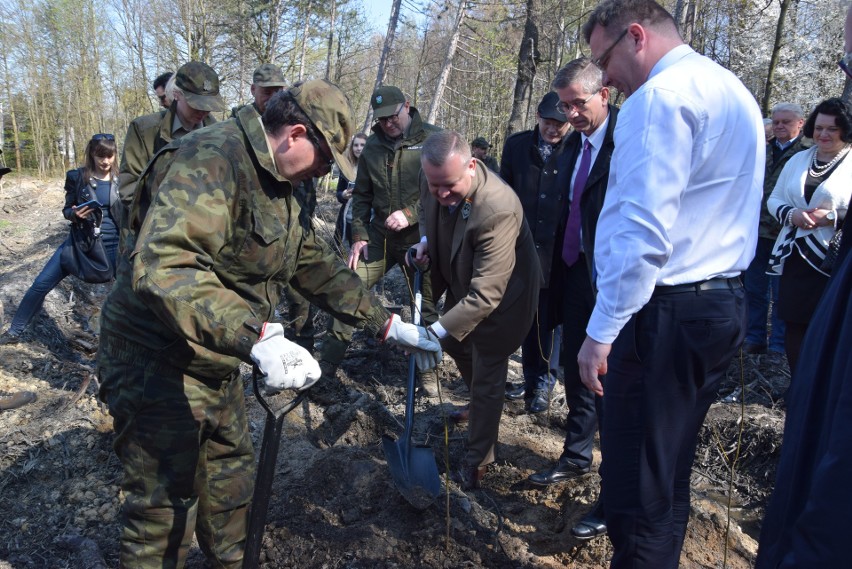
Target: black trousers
<point>663,373</point>
<point>583,417</point>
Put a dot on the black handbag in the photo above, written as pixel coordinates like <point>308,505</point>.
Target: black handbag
<point>833,250</point>
<point>83,253</point>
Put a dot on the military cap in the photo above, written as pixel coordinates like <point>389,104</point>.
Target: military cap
<point>385,100</point>
<point>268,75</point>
<point>328,108</point>
<point>547,108</point>
<point>480,142</point>
<point>200,86</point>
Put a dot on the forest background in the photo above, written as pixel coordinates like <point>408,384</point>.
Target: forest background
<point>72,68</point>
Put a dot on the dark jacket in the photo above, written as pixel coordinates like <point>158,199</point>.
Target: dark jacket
<point>78,190</point>
<point>389,180</point>
<point>769,227</point>
<point>535,183</point>
<point>594,192</point>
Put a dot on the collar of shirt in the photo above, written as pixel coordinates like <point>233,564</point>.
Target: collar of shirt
<point>670,59</point>
<point>177,125</point>
<point>784,145</point>
<point>596,140</point>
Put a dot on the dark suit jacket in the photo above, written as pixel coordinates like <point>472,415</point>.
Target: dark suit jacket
<point>494,274</point>
<point>593,196</point>
<point>541,197</point>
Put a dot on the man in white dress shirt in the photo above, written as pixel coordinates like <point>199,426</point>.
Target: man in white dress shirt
<point>675,232</point>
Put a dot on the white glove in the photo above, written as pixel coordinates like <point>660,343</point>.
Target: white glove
<point>426,349</point>
<point>284,364</point>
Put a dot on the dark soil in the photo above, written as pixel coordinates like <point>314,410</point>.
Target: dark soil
<point>334,503</point>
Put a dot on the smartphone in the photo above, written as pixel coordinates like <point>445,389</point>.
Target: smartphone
<point>90,203</point>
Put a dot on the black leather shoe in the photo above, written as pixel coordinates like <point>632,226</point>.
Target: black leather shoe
<point>754,349</point>
<point>515,391</point>
<point>564,470</point>
<point>591,525</point>
<point>469,477</point>
<point>539,403</point>
<point>461,415</point>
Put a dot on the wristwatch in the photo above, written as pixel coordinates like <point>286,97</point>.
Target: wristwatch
<point>831,216</point>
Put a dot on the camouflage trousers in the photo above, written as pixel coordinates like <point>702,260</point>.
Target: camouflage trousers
<point>382,258</point>
<point>300,319</point>
<point>188,461</point>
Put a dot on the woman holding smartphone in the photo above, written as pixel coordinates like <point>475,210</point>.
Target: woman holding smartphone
<point>95,185</point>
<point>343,228</point>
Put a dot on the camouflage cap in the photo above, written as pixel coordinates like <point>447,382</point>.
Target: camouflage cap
<point>200,86</point>
<point>268,75</point>
<point>385,100</point>
<point>547,108</point>
<point>329,110</point>
<point>480,142</point>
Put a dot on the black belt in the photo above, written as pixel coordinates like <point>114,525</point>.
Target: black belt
<point>718,283</point>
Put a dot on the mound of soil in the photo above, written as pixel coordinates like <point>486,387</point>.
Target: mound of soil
<point>334,503</point>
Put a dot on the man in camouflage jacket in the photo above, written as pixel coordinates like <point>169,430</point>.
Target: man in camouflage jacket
<point>385,209</point>
<point>214,236</point>
<point>196,94</point>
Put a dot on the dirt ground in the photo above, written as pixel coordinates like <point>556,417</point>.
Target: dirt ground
<point>334,503</point>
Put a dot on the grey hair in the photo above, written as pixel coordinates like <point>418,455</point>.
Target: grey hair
<point>438,147</point>
<point>171,88</point>
<point>581,70</point>
<point>791,107</point>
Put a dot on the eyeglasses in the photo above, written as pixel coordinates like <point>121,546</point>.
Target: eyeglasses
<point>394,117</point>
<point>326,158</point>
<point>568,108</point>
<point>603,60</point>
<point>104,137</point>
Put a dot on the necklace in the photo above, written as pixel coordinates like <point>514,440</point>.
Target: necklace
<point>818,171</point>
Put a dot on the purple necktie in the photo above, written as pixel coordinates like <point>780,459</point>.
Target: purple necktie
<point>571,244</point>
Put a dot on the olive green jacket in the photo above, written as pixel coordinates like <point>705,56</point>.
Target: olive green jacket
<point>389,180</point>
<point>146,136</point>
<point>769,227</point>
<point>219,241</point>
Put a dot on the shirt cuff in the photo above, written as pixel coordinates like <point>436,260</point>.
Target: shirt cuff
<point>439,330</point>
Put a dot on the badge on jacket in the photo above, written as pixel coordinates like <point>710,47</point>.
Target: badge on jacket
<point>466,208</point>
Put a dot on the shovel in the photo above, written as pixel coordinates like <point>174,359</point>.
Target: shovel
<point>413,467</point>
<point>265,472</point>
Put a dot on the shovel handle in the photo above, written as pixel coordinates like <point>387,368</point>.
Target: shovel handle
<point>265,470</point>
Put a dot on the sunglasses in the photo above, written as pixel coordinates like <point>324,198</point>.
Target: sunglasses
<point>103,137</point>
<point>326,158</point>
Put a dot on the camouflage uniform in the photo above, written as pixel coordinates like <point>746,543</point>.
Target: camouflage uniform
<point>148,134</point>
<point>219,242</point>
<point>388,180</point>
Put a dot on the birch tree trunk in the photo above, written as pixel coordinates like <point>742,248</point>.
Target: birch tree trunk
<point>383,61</point>
<point>773,59</point>
<point>528,57</point>
<point>448,64</point>
<point>330,41</point>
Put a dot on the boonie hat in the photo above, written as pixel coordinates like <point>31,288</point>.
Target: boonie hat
<point>385,100</point>
<point>268,75</point>
<point>200,86</point>
<point>480,142</point>
<point>329,110</point>
<point>547,108</point>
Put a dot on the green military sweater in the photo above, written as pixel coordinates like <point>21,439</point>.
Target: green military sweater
<point>220,239</point>
<point>389,180</point>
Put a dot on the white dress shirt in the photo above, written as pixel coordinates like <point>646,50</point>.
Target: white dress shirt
<point>685,186</point>
<point>596,140</point>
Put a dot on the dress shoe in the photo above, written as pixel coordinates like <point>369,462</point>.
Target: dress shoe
<point>754,349</point>
<point>469,477</point>
<point>564,470</point>
<point>428,383</point>
<point>591,525</point>
<point>14,400</point>
<point>539,403</point>
<point>515,391</point>
<point>461,415</point>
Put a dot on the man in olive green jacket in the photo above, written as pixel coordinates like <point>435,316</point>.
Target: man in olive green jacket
<point>213,238</point>
<point>195,88</point>
<point>385,210</point>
